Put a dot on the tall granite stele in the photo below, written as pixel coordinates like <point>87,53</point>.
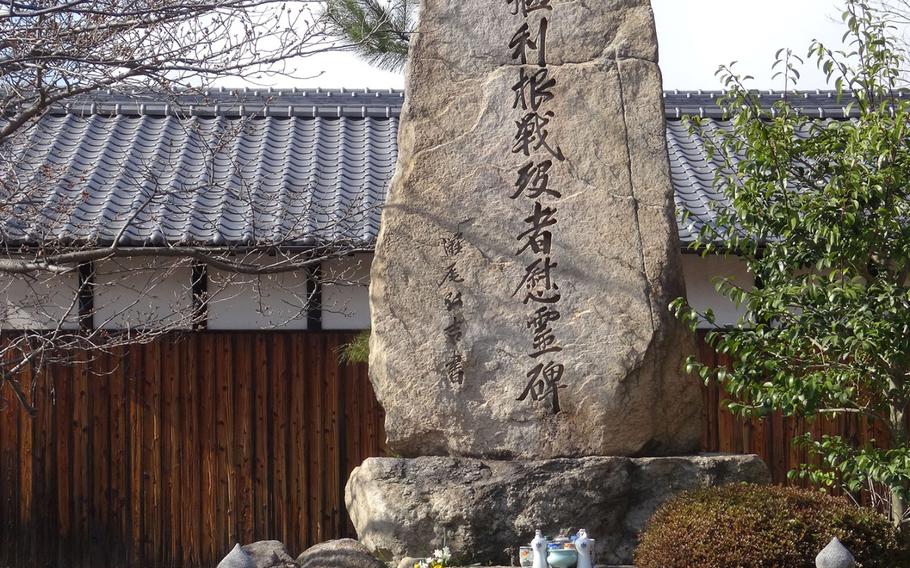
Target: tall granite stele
<point>528,249</point>
<point>510,231</point>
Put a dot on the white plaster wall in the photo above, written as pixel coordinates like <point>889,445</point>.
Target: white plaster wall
<point>239,301</point>
<point>127,296</point>
<point>701,274</point>
<point>345,293</point>
<point>138,293</point>
<point>39,302</point>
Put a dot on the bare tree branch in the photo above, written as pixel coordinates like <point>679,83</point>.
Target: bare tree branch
<point>56,53</point>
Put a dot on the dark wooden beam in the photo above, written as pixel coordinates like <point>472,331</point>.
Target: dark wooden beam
<point>314,298</point>
<point>200,287</point>
<point>87,296</point>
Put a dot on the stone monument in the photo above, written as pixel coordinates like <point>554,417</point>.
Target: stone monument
<point>528,249</point>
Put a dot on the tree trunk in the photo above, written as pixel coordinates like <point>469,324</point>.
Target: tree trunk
<point>898,438</point>
<point>898,508</point>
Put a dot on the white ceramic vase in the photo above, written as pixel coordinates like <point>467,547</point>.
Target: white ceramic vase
<point>583,546</point>
<point>539,546</point>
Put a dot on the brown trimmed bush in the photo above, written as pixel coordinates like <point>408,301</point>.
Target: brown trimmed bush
<point>750,526</point>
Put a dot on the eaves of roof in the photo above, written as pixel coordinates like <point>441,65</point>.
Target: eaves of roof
<point>360,103</point>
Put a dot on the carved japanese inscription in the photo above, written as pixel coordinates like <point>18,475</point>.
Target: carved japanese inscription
<point>528,248</point>
<point>454,305</point>
<point>538,287</point>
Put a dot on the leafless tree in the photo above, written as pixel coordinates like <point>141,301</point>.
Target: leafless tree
<point>73,52</point>
<point>53,50</point>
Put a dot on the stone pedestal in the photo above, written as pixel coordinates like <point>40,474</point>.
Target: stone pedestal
<point>484,510</point>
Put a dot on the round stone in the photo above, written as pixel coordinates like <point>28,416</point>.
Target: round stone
<point>835,555</point>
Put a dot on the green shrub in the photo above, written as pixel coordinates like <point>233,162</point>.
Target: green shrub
<point>762,526</point>
<point>357,351</point>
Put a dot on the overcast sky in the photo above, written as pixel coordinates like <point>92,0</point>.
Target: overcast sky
<point>695,37</point>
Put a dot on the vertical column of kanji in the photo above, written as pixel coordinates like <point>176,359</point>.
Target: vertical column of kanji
<point>451,297</point>
<point>539,289</point>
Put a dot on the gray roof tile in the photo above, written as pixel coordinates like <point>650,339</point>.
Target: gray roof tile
<point>224,168</point>
<point>282,167</point>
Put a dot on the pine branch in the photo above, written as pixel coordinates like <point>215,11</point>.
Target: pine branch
<point>380,32</point>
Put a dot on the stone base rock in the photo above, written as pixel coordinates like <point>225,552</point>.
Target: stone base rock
<point>341,553</point>
<point>269,554</point>
<point>484,510</point>
<point>237,558</point>
<point>260,554</point>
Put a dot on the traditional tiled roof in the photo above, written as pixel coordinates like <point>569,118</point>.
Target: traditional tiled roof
<point>693,174</point>
<point>284,167</point>
<point>223,168</point>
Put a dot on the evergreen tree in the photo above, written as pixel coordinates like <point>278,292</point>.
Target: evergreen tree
<point>380,30</point>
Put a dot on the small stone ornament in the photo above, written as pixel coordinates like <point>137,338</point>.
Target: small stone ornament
<point>835,555</point>
<point>237,558</point>
<point>539,545</point>
<point>583,546</point>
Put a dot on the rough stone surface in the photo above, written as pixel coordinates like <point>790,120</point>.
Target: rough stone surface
<point>615,244</point>
<point>237,558</point>
<point>835,555</point>
<point>487,509</point>
<point>269,554</point>
<point>341,553</point>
